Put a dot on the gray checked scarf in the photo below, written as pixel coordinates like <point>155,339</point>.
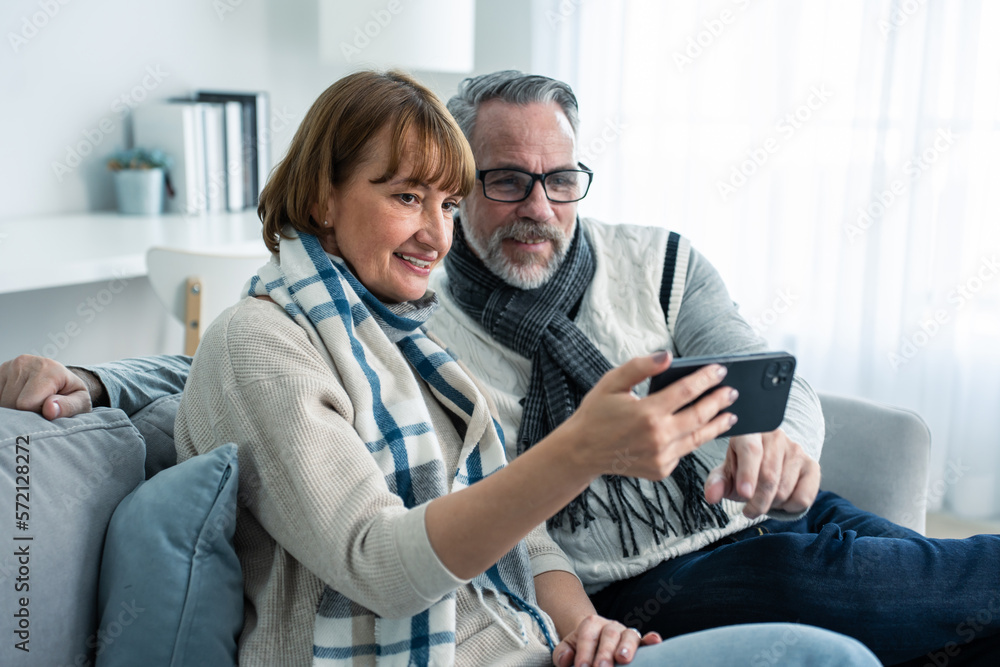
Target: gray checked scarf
<point>538,325</point>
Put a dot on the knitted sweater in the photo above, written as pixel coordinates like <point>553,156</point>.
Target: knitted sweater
<point>315,508</point>
<point>622,316</point>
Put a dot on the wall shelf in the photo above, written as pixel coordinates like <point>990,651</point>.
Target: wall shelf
<point>71,249</point>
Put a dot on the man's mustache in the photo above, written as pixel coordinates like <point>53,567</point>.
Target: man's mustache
<point>529,230</point>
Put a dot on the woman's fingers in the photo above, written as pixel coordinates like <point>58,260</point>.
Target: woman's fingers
<point>676,395</point>
<point>629,641</point>
<point>684,445</point>
<point>713,429</point>
<point>651,638</point>
<point>708,409</point>
<point>588,636</point>
<point>564,653</point>
<point>600,641</point>
<point>612,641</point>
<point>632,372</point>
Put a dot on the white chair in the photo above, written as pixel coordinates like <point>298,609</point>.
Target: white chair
<point>196,286</point>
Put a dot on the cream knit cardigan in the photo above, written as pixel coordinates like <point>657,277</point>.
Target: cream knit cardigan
<point>314,507</point>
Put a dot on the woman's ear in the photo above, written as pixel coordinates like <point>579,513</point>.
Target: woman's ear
<point>323,216</point>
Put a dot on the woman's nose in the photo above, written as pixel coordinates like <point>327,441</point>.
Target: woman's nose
<point>437,229</point>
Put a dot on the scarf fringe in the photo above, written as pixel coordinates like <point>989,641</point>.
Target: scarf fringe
<point>683,487</point>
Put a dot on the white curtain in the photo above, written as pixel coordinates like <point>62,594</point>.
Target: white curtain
<point>839,163</point>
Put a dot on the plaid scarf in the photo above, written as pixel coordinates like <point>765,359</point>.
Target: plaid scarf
<point>369,345</point>
<point>565,364</point>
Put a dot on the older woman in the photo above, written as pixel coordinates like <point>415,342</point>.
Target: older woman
<point>381,525</point>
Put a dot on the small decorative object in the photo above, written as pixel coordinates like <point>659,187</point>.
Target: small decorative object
<point>140,178</point>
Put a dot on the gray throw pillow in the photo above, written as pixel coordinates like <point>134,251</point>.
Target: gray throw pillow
<point>68,476</point>
<point>171,591</point>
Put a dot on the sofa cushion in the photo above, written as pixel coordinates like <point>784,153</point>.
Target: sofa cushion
<point>156,424</point>
<point>72,474</point>
<point>171,590</point>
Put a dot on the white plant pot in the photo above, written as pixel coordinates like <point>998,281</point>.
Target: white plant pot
<point>140,191</point>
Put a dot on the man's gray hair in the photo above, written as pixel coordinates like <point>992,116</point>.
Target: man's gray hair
<point>513,87</point>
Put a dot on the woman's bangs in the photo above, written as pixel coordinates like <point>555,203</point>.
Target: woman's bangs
<point>438,153</point>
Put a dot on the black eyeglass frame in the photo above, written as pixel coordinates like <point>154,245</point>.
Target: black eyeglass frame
<point>584,169</point>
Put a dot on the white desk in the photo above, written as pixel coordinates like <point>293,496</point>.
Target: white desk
<point>72,249</point>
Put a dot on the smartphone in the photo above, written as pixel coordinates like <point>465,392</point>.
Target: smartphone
<point>763,380</point>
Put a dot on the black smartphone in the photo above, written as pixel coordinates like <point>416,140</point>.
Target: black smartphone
<point>763,380</point>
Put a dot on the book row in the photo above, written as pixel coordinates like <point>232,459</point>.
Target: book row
<point>219,143</point>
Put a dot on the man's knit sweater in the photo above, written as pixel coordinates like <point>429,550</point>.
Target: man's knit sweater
<point>621,314</point>
<point>314,507</point>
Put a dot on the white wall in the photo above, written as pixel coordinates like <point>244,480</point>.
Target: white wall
<point>61,94</point>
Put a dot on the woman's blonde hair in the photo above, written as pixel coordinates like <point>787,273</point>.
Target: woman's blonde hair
<point>336,135</point>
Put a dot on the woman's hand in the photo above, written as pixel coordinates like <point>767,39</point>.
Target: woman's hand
<point>614,432</point>
<point>600,642</point>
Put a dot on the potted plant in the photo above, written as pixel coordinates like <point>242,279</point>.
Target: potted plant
<point>140,177</point>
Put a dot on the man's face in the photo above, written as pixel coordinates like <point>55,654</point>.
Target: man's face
<point>522,242</point>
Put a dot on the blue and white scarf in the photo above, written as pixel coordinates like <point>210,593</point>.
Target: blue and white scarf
<point>371,349</point>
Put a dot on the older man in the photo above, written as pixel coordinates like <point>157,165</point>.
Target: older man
<point>540,304</point>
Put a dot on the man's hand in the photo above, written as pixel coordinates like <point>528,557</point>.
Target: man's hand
<point>42,385</point>
<point>768,472</point>
<point>600,641</point>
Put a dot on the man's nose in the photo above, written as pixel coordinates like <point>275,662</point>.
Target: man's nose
<point>537,206</point>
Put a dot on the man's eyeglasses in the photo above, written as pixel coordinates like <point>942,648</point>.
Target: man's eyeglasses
<point>512,185</point>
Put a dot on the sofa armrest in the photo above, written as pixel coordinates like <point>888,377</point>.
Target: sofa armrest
<point>73,472</point>
<point>877,457</point>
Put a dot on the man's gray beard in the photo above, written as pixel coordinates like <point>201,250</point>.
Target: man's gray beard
<point>531,272</point>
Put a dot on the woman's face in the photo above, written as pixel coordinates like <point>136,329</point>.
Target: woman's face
<point>391,234</point>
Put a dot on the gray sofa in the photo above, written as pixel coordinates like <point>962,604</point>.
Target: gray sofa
<point>82,468</point>
<point>877,457</point>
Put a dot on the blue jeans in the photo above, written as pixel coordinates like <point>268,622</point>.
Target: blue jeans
<point>758,645</point>
<point>907,597</point>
